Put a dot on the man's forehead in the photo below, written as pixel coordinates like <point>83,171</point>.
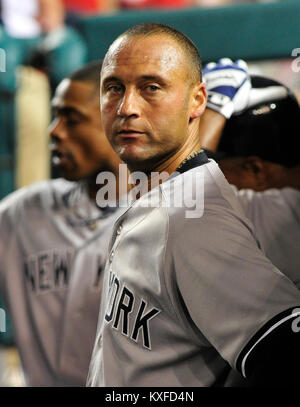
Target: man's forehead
<point>73,91</point>
<point>158,50</point>
<point>60,91</point>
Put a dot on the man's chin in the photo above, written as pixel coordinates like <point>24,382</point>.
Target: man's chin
<point>138,162</point>
<point>67,174</point>
<point>133,160</point>
<point>138,158</point>
<point>70,177</point>
<point>130,153</point>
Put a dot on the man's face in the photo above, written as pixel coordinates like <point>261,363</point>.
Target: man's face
<point>258,174</point>
<point>146,99</point>
<point>245,172</point>
<point>79,146</point>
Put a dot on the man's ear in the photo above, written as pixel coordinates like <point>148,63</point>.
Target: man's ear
<point>256,166</point>
<point>199,99</point>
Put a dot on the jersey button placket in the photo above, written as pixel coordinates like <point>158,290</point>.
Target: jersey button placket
<point>119,230</point>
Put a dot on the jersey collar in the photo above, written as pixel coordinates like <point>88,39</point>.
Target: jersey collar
<point>194,160</point>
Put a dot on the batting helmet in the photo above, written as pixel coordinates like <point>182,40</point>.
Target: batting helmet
<point>268,129</point>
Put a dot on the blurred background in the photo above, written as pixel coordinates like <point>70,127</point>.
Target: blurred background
<point>42,41</point>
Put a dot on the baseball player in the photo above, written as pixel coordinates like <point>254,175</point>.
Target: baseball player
<point>273,209</point>
<point>186,287</point>
<point>53,242</point>
<point>268,182</point>
<point>265,175</point>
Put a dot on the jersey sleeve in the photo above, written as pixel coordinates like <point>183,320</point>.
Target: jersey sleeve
<point>4,240</point>
<point>230,290</point>
<point>9,215</point>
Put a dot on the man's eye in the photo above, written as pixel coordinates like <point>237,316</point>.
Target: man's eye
<point>152,88</point>
<point>71,121</point>
<point>114,88</point>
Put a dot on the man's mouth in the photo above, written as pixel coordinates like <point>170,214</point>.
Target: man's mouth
<point>58,158</point>
<point>129,133</point>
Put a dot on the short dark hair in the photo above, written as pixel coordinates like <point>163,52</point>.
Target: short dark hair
<point>89,72</point>
<point>190,49</point>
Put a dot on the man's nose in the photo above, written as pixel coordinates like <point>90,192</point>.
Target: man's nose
<point>130,104</point>
<point>56,130</point>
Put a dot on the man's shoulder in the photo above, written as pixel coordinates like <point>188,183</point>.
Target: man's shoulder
<point>202,189</point>
<point>191,200</point>
<point>285,201</point>
<point>41,194</point>
<point>210,211</point>
<point>272,195</point>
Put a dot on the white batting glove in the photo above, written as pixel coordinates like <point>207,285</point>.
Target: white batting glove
<point>228,85</point>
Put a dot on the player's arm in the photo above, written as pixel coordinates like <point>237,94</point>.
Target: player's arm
<point>8,225</point>
<point>210,129</point>
<point>4,241</point>
<point>228,86</point>
<point>238,300</point>
<point>271,357</point>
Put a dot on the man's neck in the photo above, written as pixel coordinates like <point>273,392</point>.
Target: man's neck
<point>162,170</point>
<point>190,146</point>
<point>171,164</point>
<point>92,188</point>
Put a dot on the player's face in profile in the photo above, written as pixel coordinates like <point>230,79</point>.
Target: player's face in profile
<point>236,174</point>
<point>248,172</point>
<point>146,99</point>
<point>79,146</point>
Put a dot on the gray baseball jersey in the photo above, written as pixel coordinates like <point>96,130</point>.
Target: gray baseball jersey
<point>275,214</point>
<point>184,292</point>
<point>53,245</point>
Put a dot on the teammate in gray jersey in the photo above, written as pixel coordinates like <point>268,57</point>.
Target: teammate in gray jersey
<point>187,289</point>
<point>274,208</point>
<point>267,180</point>
<point>53,242</point>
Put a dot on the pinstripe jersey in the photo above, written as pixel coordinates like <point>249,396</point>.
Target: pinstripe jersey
<point>53,245</point>
<point>182,296</point>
